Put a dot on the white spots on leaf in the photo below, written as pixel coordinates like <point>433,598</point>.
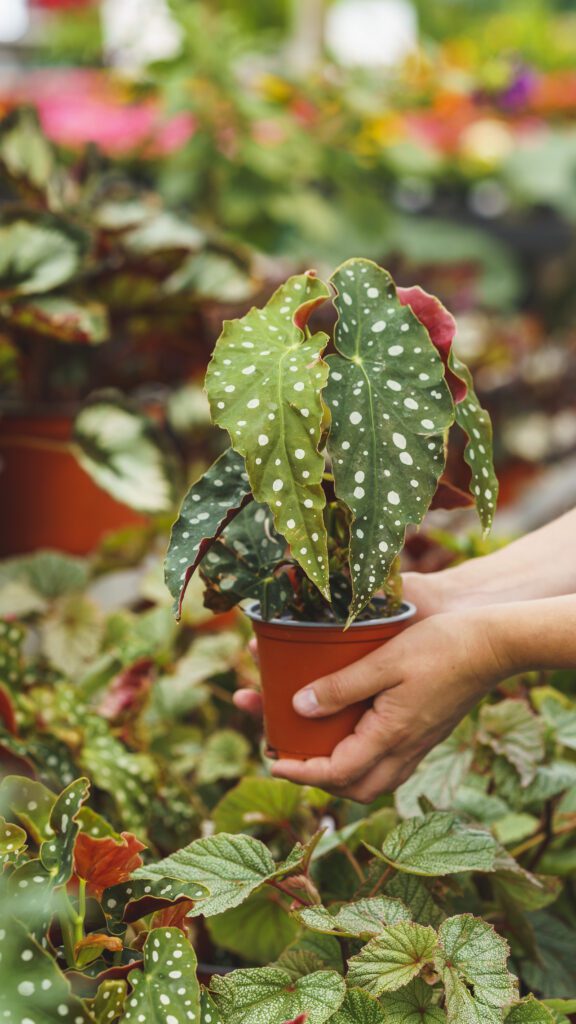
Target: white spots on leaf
<point>359,492</point>
<point>253,403</point>
<point>394,385</point>
<point>395,350</point>
<point>278,485</point>
<point>427,424</point>
<point>305,413</point>
<point>393,498</point>
<point>379,326</point>
<point>399,440</point>
<point>300,453</point>
<point>298,386</point>
<point>410,403</point>
<point>423,376</point>
<point>291,523</point>
<point>345,445</point>
<point>372,293</point>
<point>263,440</point>
<point>230,388</point>
<point>359,476</point>
<point>406,458</point>
<point>336,376</point>
<point>383,547</point>
<point>347,298</point>
<point>355,418</point>
<point>308,503</point>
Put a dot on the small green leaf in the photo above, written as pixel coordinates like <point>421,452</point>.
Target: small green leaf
<point>12,841</point>
<point>127,454</point>
<point>32,988</point>
<point>471,962</point>
<point>393,958</point>
<point>412,1004</point>
<point>167,990</point>
<point>126,776</point>
<point>210,504</point>
<point>57,853</point>
<point>264,383</point>
<point>208,1009</point>
<point>475,422</point>
<point>267,994</point>
<point>438,844</point>
<point>530,1011</point>
<point>37,253</point>
<point>391,409</point>
<point>257,802</point>
<point>414,893</point>
<point>511,729</point>
<point>30,802</point>
<point>109,1001</point>
<point>258,930</point>
<point>230,867</point>
<point>440,774</point>
<point>359,919</point>
<point>225,756</point>
<point>554,975</point>
<point>360,1008</point>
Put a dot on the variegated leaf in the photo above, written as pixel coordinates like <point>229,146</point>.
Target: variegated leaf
<point>268,994</point>
<point>475,422</point>
<point>167,990</point>
<point>359,1008</point>
<point>360,919</point>
<point>210,504</point>
<point>391,409</point>
<point>438,843</point>
<point>57,852</point>
<point>12,840</point>
<point>393,958</point>
<point>412,1004</point>
<point>264,383</point>
<point>472,962</point>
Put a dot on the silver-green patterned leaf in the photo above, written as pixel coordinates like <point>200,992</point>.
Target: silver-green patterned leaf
<point>472,963</point>
<point>166,991</point>
<point>391,409</point>
<point>510,728</point>
<point>393,958</point>
<point>360,1008</point>
<point>268,994</point>
<point>360,919</point>
<point>475,422</point>
<point>412,1004</point>
<point>530,1011</point>
<point>210,504</point>
<point>264,383</point>
<point>414,894</point>
<point>229,866</point>
<point>438,844</point>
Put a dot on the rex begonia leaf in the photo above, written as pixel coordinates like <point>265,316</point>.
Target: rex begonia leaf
<point>166,991</point>
<point>210,504</point>
<point>229,866</point>
<point>57,853</point>
<point>391,409</point>
<point>511,729</point>
<point>243,562</point>
<point>531,1011</point>
<point>392,958</point>
<point>32,988</point>
<point>360,1008</point>
<point>414,893</point>
<point>472,963</point>
<point>266,994</point>
<point>12,840</point>
<point>440,773</point>
<point>438,843</point>
<point>37,253</point>
<point>475,422</point>
<point>264,383</point>
<point>412,1004</point>
<point>359,919</point>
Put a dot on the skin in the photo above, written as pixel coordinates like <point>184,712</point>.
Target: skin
<point>478,624</point>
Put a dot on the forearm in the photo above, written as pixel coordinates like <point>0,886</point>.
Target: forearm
<point>541,564</point>
<point>533,634</point>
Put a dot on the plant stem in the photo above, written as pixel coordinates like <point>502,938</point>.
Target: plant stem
<point>282,888</point>
<point>352,859</point>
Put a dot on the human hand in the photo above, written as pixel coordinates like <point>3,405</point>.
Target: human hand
<point>423,683</point>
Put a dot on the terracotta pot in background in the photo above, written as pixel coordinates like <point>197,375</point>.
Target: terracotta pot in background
<point>292,654</point>
<point>46,499</point>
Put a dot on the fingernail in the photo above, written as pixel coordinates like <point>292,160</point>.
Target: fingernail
<point>305,702</point>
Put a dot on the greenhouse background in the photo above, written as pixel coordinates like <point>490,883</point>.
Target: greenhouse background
<point>164,166</point>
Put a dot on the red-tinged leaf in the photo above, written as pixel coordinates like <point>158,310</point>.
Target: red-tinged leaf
<point>129,689</point>
<point>7,716</point>
<point>173,916</point>
<point>90,948</point>
<point>441,327</point>
<point>105,862</point>
<point>301,1019</point>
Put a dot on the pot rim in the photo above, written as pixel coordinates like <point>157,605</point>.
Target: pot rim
<point>249,609</point>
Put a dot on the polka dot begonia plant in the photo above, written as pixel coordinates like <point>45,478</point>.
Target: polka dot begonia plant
<point>357,438</point>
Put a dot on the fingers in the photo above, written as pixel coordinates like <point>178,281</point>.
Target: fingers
<point>351,760</point>
<point>249,701</point>
<point>377,671</point>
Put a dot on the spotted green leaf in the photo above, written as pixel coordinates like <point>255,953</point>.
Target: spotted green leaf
<point>109,1001</point>
<point>208,507</point>
<point>438,843</point>
<point>264,383</point>
<point>475,422</point>
<point>126,776</point>
<point>32,988</point>
<point>359,1008</point>
<point>12,840</point>
<point>166,991</point>
<point>393,958</point>
<point>391,409</point>
<point>30,802</point>
<point>510,728</point>
<point>530,1011</point>
<point>57,853</point>
<point>267,994</point>
<point>208,1010</point>
<point>359,919</point>
<point>230,867</point>
<point>130,901</point>
<point>472,963</point>
<point>412,1004</point>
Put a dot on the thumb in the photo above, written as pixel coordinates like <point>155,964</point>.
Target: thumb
<point>379,670</point>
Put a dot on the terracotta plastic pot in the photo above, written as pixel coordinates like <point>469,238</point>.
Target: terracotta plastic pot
<point>48,500</point>
<point>292,654</point>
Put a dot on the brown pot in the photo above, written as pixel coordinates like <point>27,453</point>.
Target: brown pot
<point>48,500</point>
<point>292,654</point>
